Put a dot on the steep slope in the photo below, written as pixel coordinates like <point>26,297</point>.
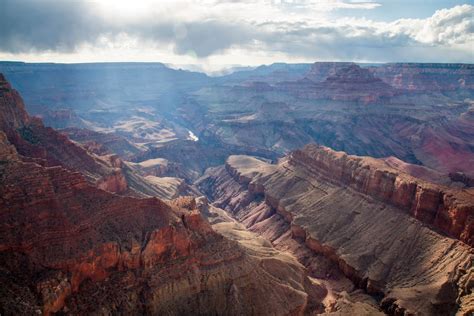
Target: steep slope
<point>351,108</point>
<point>427,77</point>
<point>33,139</point>
<point>46,146</point>
<point>379,225</point>
<point>450,210</point>
<point>69,247</point>
<point>350,83</point>
<point>120,254</point>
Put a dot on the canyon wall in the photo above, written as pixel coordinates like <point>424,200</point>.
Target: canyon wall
<point>69,247</point>
<point>450,210</point>
<point>382,228</point>
<point>74,241</point>
<point>419,77</point>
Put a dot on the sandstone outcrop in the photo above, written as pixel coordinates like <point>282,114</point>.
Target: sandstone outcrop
<point>450,210</point>
<point>390,233</point>
<point>350,83</point>
<point>86,250</point>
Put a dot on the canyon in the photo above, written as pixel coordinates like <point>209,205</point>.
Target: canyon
<point>72,245</point>
<point>288,189</point>
<point>335,204</point>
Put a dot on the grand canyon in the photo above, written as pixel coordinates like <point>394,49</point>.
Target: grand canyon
<point>236,157</point>
<point>289,189</point>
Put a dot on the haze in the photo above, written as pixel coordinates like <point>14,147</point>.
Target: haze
<point>216,34</point>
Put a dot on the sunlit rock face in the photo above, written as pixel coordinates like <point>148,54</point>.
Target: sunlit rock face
<point>398,237</point>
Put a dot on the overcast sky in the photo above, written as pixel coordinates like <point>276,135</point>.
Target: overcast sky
<point>215,33</point>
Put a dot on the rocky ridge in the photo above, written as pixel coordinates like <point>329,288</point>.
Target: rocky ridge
<point>48,147</point>
<point>426,77</point>
<point>335,204</point>
<point>450,210</point>
<point>125,255</point>
<point>69,245</point>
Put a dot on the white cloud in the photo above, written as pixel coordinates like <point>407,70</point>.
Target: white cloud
<point>213,32</point>
<point>445,27</point>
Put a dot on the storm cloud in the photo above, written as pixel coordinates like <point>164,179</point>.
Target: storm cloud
<point>202,29</point>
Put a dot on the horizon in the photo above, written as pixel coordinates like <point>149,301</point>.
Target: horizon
<point>216,35</point>
<point>225,70</point>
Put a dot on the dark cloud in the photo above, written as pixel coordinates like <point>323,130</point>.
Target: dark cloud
<point>195,38</point>
<point>207,38</point>
<point>27,25</point>
<point>35,26</point>
<point>49,25</point>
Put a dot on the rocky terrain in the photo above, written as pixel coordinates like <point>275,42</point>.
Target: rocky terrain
<point>419,113</point>
<point>170,192</point>
<point>393,235</point>
<point>354,111</point>
<point>345,83</point>
<point>70,245</point>
<point>427,77</point>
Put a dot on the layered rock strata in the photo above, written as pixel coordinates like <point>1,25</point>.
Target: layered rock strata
<point>349,83</point>
<point>376,224</point>
<point>46,146</point>
<point>450,210</point>
<point>69,245</point>
<point>66,246</point>
<point>427,77</point>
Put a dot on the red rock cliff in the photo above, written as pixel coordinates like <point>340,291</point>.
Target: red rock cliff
<point>67,246</point>
<point>451,210</point>
<point>427,77</point>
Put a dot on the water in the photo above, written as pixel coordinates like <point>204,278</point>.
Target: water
<point>192,136</point>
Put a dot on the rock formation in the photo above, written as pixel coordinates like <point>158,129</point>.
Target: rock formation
<point>450,210</point>
<point>71,246</point>
<point>392,234</point>
<point>426,77</point>
<point>95,222</point>
<point>349,83</point>
<point>66,246</point>
<point>351,108</point>
<point>320,71</point>
<point>46,146</point>
<point>418,113</point>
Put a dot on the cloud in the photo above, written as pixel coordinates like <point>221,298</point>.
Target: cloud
<point>212,29</point>
<point>445,27</point>
<point>448,35</point>
<point>46,25</point>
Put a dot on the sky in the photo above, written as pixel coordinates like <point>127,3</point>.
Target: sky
<point>215,34</point>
